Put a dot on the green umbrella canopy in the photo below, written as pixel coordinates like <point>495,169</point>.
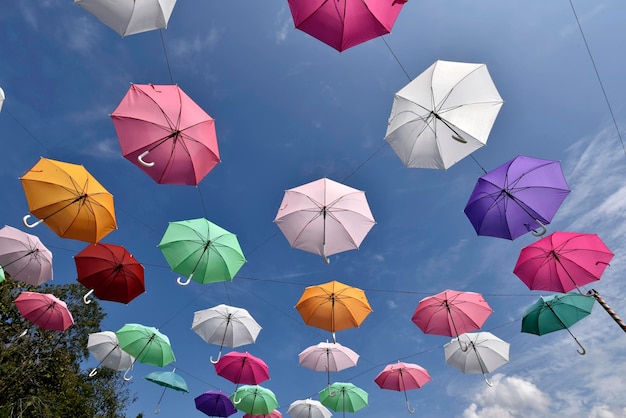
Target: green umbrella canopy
<point>344,397</point>
<point>202,251</point>
<point>169,380</point>
<point>146,344</point>
<point>254,399</point>
<point>556,312</point>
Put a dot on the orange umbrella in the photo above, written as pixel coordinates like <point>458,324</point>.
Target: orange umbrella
<point>333,306</point>
<point>69,200</point>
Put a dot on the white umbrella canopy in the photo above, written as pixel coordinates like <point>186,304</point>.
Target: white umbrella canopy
<point>443,115</point>
<point>308,408</point>
<point>225,325</point>
<point>128,17</point>
<point>24,257</point>
<point>105,347</point>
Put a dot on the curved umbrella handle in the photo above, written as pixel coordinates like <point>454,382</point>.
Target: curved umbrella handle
<point>141,160</point>
<point>93,372</point>
<point>490,384</point>
<point>85,300</point>
<point>182,282</point>
<point>23,333</point>
<point>411,410</point>
<point>236,401</point>
<point>219,355</point>
<point>326,260</point>
<point>538,232</point>
<point>127,378</point>
<point>157,410</point>
<point>27,225</point>
<point>458,137</point>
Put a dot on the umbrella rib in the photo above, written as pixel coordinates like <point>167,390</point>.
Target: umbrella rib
<point>455,86</point>
<point>169,122</point>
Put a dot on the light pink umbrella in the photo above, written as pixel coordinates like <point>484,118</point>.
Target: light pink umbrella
<point>402,377</point>
<point>274,414</point>
<point>324,217</point>
<point>24,257</point>
<point>343,24</point>
<point>44,310</point>
<point>166,134</point>
<point>328,357</point>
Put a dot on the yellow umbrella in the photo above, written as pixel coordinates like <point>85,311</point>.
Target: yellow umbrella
<point>69,200</point>
<point>333,306</point>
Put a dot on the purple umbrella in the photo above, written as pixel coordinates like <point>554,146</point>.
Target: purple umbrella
<point>215,404</point>
<point>520,196</point>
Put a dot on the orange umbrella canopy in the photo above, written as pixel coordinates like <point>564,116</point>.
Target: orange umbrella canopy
<point>333,306</point>
<point>69,200</point>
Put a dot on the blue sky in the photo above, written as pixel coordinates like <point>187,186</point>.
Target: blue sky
<point>290,110</point>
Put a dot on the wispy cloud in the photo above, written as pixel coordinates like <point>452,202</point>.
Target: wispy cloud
<point>284,24</point>
<point>185,48</point>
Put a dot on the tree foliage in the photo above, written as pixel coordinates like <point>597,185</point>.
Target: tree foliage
<point>41,373</point>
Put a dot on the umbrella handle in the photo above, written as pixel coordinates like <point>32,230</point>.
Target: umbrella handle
<point>326,260</point>
<point>236,401</point>
<point>127,378</point>
<point>490,384</point>
<point>457,137</point>
<point>216,360</point>
<point>85,300</point>
<point>142,162</point>
<point>411,410</point>
<point>93,372</point>
<point>23,333</point>
<point>185,282</point>
<point>538,232</point>
<point>27,225</point>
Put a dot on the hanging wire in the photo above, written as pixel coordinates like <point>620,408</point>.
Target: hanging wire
<point>167,61</point>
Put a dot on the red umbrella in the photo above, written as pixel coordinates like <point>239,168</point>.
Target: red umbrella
<point>111,273</point>
<point>402,377</point>
<point>242,368</point>
<point>343,24</point>
<point>44,310</point>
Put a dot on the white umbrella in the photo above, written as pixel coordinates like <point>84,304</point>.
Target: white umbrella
<point>128,17</point>
<point>2,96</point>
<point>105,347</point>
<point>484,352</point>
<point>308,408</point>
<point>443,115</point>
<point>328,357</point>
<point>225,325</point>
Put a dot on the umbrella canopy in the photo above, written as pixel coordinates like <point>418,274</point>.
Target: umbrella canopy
<point>308,408</point>
<point>273,414</point>
<point>24,257</point>
<point>521,195</point>
<point>226,326</point>
<point>343,24</point>
<point>242,368</point>
<point>254,399</point>
<point>215,404</point>
<point>111,272</point>
<point>344,397</point>
<point>128,17</point>
<point>146,344</point>
<point>69,200</point>
<point>166,134</point>
<point>333,306</point>
<point>477,352</point>
<point>443,115</point>
<point>201,250</point>
<point>105,347</point>
<point>451,313</point>
<point>562,261</point>
<point>402,377</point>
<point>44,310</point>
<point>328,357</point>
<point>324,217</point>
<point>169,380</point>
<point>557,312</point>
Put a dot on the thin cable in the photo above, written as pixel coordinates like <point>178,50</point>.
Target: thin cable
<point>167,61</point>
<point>595,69</point>
<point>30,133</point>
<point>397,60</point>
<point>364,162</point>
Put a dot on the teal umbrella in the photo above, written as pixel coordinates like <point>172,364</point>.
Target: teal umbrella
<point>202,251</point>
<point>254,399</point>
<point>344,397</point>
<point>146,344</point>
<point>169,380</point>
<point>557,312</point>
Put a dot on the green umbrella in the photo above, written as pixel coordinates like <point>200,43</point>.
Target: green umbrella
<point>344,397</point>
<point>169,380</point>
<point>254,399</point>
<point>202,251</point>
<point>146,344</point>
<point>557,312</point>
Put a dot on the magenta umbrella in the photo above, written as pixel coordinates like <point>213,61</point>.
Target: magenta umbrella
<point>166,134</point>
<point>242,368</point>
<point>44,310</point>
<point>328,357</point>
<point>24,257</point>
<point>343,24</point>
<point>324,217</point>
<point>402,377</point>
<point>274,414</point>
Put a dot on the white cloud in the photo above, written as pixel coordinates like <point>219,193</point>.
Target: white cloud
<point>391,304</point>
<point>107,148</point>
<point>284,23</point>
<point>184,47</point>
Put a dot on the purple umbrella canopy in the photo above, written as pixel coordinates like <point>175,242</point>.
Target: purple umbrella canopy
<point>520,196</point>
<point>215,404</point>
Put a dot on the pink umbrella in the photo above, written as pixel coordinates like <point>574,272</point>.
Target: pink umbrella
<point>274,414</point>
<point>324,217</point>
<point>242,368</point>
<point>563,261</point>
<point>328,357</point>
<point>402,377</point>
<point>343,24</point>
<point>24,257</point>
<point>44,310</point>
<point>167,135</point>
<point>451,313</point>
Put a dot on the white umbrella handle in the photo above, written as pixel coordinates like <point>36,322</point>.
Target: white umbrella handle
<point>218,358</point>
<point>27,225</point>
<point>23,333</point>
<point>490,384</point>
<point>142,162</point>
<point>538,232</point>
<point>127,378</point>
<point>93,372</point>
<point>85,300</point>
<point>182,282</point>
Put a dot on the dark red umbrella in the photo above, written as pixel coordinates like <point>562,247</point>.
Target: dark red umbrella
<point>111,273</point>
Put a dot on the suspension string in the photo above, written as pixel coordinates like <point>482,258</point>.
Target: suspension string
<point>167,61</point>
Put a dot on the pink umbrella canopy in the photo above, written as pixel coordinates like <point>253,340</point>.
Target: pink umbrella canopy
<point>44,310</point>
<point>402,377</point>
<point>324,217</point>
<point>274,414</point>
<point>343,24</point>
<point>563,261</point>
<point>328,357</point>
<point>166,134</point>
<point>242,368</point>
<point>24,257</point>
<point>451,313</point>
